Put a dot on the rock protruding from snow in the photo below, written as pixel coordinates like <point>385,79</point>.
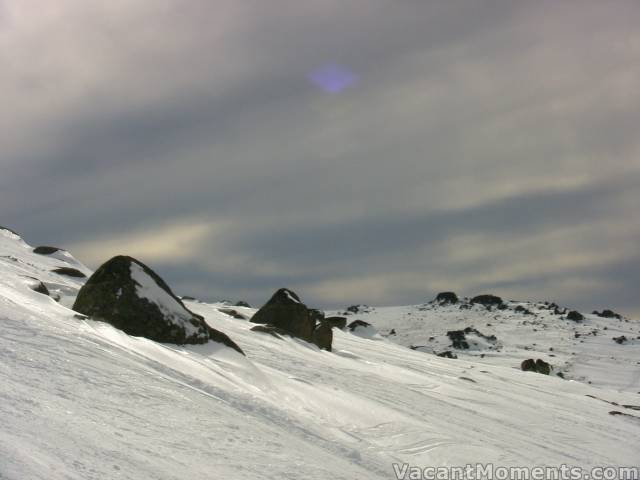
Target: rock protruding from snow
<point>539,366</point>
<point>363,329</point>
<point>446,298</point>
<point>337,322</point>
<point>575,316</point>
<point>45,250</point>
<point>285,311</point>
<point>130,296</point>
<point>285,314</point>
<point>69,272</point>
<point>487,300</point>
<point>608,314</point>
<point>323,336</point>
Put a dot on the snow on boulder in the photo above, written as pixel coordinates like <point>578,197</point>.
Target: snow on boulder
<point>133,298</point>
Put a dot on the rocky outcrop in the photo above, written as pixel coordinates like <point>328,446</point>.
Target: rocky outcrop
<point>620,340</point>
<point>133,298</point>
<point>446,298</point>
<point>487,300</point>
<point>575,316</point>
<point>285,312</point>
<point>538,366</point>
<point>608,314</point>
<point>242,303</point>
<point>458,339</point>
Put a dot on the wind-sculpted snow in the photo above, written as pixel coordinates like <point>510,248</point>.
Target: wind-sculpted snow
<point>80,399</point>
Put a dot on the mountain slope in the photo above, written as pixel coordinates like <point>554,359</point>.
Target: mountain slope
<point>82,400</point>
<point>584,351</point>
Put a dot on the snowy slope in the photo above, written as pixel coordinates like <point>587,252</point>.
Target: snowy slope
<point>81,400</point>
<point>584,351</point>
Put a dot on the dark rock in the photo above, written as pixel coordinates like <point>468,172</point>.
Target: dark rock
<point>80,316</point>
<point>523,310</point>
<point>41,288</point>
<point>465,306</point>
<point>233,313</point>
<point>543,367</point>
<point>323,336</point>
<point>242,303</point>
<point>447,354</point>
<point>69,272</point>
<point>575,316</point>
<point>357,324</point>
<point>188,298</point>
<point>447,298</point>
<point>316,315</point>
<point>467,379</point>
<point>560,374</point>
<point>44,250</point>
<point>620,340</point>
<point>392,331</point>
<point>285,311</point>
<point>608,314</point>
<point>133,298</point>
<point>487,300</point>
<point>528,365</point>
<point>539,366</point>
<point>458,339</point>
<point>337,322</point>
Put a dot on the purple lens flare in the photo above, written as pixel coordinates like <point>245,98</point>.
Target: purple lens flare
<point>333,78</point>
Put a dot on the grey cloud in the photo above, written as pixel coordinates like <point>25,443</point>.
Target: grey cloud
<point>491,118</point>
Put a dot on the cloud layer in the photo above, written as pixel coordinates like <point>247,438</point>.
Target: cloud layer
<point>473,146</point>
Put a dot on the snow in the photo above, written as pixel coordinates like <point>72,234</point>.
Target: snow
<point>80,399</point>
<point>589,357</point>
<point>291,297</point>
<point>148,289</point>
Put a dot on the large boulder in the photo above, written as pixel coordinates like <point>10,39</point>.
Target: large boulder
<point>487,300</point>
<point>447,298</point>
<point>130,296</point>
<point>285,311</point>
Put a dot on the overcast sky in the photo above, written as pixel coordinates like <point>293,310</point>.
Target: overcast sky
<point>356,151</point>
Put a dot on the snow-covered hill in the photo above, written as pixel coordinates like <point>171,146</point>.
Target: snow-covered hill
<point>82,400</point>
<point>585,351</point>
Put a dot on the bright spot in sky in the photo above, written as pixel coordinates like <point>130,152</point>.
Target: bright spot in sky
<point>333,78</point>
